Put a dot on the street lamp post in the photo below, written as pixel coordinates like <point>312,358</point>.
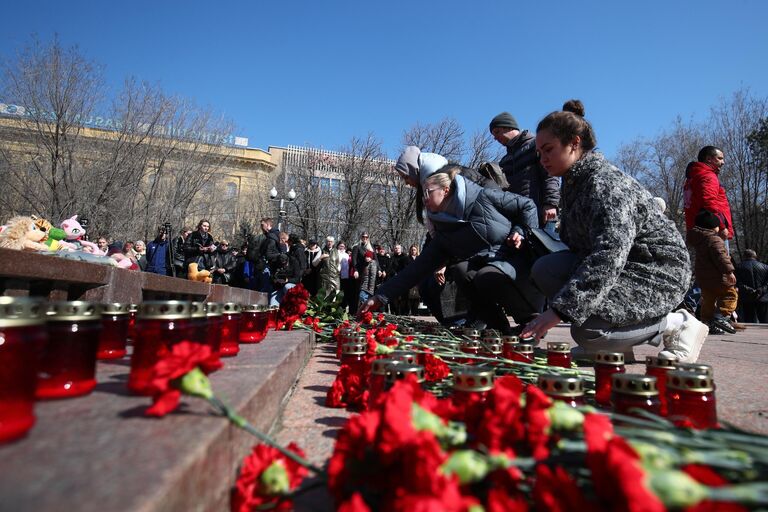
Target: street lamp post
<point>281,213</point>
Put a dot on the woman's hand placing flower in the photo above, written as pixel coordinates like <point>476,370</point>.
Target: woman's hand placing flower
<point>540,325</point>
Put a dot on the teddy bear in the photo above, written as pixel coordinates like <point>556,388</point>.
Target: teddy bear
<point>198,275</point>
<point>22,234</point>
<point>54,237</point>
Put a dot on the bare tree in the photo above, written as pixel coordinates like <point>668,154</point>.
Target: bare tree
<point>732,122</point>
<point>482,148</point>
<point>446,138</point>
<point>151,160</point>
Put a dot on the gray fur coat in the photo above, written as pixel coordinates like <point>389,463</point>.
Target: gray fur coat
<point>635,266</point>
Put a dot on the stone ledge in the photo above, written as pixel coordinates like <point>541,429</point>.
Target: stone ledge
<point>99,452</point>
<point>45,275</point>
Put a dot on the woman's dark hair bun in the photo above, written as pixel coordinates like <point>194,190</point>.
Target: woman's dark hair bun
<point>574,106</point>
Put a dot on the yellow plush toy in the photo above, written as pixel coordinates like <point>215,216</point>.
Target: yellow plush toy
<point>198,275</point>
<point>22,234</point>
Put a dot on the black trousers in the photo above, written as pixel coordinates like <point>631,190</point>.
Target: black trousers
<point>494,295</point>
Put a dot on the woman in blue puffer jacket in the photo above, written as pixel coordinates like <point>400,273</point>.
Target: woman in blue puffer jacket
<point>483,227</point>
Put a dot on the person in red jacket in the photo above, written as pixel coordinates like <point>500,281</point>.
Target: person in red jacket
<point>702,190</point>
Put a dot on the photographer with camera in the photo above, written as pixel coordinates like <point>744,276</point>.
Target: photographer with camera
<point>159,257</point>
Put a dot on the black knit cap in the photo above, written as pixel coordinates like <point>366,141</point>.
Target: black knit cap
<point>707,220</point>
<point>504,120</point>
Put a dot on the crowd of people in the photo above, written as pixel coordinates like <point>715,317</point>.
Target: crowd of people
<point>623,277</point>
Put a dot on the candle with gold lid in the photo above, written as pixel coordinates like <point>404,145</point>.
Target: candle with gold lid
<point>659,367</point>
<point>230,329</point>
<point>159,325</point>
<point>115,324</point>
<point>559,354</point>
<point>22,336</point>
<point>607,364</point>
<point>254,323</point>
<point>400,371</point>
<point>522,352</point>
<point>471,383</point>
<point>67,365</point>
<point>566,388</point>
<point>634,391</point>
<point>691,399</point>
<point>214,315</point>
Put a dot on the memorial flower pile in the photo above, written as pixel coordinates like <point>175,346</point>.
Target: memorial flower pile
<point>425,443</point>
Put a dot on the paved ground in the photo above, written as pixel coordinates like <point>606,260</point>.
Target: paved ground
<point>740,364</point>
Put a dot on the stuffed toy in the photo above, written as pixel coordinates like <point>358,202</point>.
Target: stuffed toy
<point>198,275</point>
<point>22,234</point>
<point>75,232</point>
<point>54,237</point>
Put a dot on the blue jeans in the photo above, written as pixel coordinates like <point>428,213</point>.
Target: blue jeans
<point>276,296</point>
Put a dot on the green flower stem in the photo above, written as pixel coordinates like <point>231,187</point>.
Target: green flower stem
<point>242,423</point>
<point>745,494</point>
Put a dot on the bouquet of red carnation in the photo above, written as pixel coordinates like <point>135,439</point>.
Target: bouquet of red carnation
<point>292,307</point>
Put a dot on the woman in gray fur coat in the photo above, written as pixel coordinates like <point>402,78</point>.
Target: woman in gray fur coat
<point>627,268</point>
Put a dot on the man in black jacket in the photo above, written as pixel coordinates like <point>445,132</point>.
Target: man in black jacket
<point>264,254</point>
<point>752,281</point>
<point>224,263</point>
<point>522,169</point>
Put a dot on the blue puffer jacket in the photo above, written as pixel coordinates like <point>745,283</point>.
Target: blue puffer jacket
<point>489,217</point>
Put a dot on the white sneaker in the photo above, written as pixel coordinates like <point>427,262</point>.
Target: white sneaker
<point>685,342</point>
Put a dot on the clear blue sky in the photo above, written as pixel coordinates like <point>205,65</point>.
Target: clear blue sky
<point>319,73</point>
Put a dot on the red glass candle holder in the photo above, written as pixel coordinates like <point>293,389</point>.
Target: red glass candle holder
<point>198,323</point>
<point>607,364</point>
<point>254,323</point>
<point>353,355</point>
<point>471,347</point>
<point>691,399</point>
<point>273,313</point>
<point>213,313</point>
<point>559,354</point>
<point>404,355</point>
<point>508,346</point>
<point>159,325</point>
<point>115,323</point>
<point>471,384</point>
<point>565,388</point>
<point>67,365</point>
<point>659,367</point>
<point>23,335</point>
<point>400,371</point>
<point>230,330</point>
<point>633,391</point>
<point>133,310</point>
<point>377,379</point>
<point>523,353</point>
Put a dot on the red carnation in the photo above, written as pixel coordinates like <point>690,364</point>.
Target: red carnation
<point>556,491</point>
<point>349,389</point>
<point>536,419</point>
<point>266,477</point>
<point>182,358</point>
<point>617,473</point>
<point>354,466</point>
<point>435,368</point>
<point>502,426</point>
<point>292,307</point>
<point>354,504</point>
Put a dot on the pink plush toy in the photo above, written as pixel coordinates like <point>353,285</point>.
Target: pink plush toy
<point>75,232</point>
